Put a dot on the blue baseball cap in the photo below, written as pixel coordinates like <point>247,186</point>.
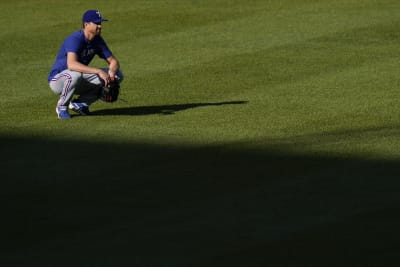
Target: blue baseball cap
<point>93,16</point>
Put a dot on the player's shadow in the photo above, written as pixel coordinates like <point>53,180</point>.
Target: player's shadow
<point>162,109</point>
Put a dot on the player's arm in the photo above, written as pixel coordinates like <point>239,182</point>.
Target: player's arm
<point>113,66</point>
<point>74,65</point>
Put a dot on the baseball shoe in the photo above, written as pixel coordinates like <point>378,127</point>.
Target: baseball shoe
<point>62,113</point>
<point>79,107</point>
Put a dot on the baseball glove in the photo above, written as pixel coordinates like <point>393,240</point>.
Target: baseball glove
<point>110,92</point>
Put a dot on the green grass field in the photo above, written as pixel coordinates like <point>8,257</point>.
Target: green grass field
<point>248,133</point>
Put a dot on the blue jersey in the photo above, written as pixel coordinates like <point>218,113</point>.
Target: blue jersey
<point>84,49</point>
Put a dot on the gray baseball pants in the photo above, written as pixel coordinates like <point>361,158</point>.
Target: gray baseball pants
<point>68,83</point>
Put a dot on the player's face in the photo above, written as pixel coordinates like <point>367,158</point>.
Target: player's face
<point>94,28</point>
<point>98,28</point>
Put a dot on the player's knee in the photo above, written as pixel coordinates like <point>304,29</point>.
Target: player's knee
<point>75,76</point>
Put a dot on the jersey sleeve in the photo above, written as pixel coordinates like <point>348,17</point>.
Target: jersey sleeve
<point>72,44</point>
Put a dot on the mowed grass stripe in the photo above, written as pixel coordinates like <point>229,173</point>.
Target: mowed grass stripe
<point>298,68</point>
<point>318,58</point>
<point>259,31</point>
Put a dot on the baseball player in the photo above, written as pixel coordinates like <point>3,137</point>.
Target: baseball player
<point>71,74</point>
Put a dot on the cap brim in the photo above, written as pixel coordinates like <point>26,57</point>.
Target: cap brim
<point>98,21</point>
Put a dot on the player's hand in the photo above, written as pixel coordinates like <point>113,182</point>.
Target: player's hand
<point>105,77</point>
<point>112,75</point>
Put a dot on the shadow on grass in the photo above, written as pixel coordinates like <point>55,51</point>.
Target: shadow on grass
<point>71,203</point>
<point>163,109</point>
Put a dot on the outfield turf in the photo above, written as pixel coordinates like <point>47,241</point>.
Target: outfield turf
<point>248,133</point>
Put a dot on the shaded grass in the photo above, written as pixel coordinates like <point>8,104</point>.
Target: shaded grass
<point>108,204</point>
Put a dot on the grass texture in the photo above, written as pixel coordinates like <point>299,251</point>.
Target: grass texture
<point>248,133</point>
